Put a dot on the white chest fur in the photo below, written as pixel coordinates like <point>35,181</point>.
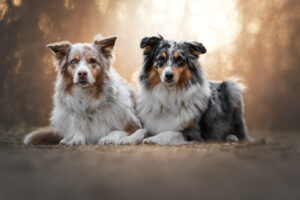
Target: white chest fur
<point>82,114</point>
<point>168,109</point>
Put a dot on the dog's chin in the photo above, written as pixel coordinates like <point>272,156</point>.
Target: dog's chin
<point>84,84</point>
<point>169,83</point>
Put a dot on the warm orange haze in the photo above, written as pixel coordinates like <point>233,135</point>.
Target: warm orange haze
<point>257,41</point>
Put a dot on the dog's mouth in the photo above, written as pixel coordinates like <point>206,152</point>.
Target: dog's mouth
<point>83,83</point>
<point>168,82</point>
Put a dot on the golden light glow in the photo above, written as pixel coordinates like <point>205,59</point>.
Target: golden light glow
<point>17,2</point>
<point>3,8</point>
<point>122,11</point>
<point>45,24</point>
<point>19,61</point>
<point>254,40</point>
<point>69,4</point>
<point>254,26</point>
<point>214,23</point>
<point>102,5</point>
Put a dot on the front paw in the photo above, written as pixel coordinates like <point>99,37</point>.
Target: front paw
<point>114,138</point>
<point>64,141</point>
<point>129,140</point>
<point>135,138</point>
<point>232,139</point>
<point>106,141</point>
<point>166,138</point>
<point>76,140</point>
<point>151,140</point>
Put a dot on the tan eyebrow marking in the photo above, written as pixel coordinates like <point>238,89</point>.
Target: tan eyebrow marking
<point>163,54</point>
<point>89,56</point>
<point>76,56</point>
<point>175,55</point>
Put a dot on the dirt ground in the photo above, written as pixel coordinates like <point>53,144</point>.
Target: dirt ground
<point>269,169</point>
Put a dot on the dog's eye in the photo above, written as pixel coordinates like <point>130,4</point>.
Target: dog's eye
<point>179,59</point>
<point>161,58</point>
<point>74,61</point>
<point>93,60</point>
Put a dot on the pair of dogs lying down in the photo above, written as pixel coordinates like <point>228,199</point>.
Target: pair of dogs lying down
<point>176,103</point>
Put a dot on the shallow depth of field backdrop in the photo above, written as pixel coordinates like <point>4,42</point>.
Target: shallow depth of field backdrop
<point>256,40</point>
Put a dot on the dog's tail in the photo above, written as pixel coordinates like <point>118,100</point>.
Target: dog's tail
<point>234,94</point>
<point>42,136</point>
<point>234,91</point>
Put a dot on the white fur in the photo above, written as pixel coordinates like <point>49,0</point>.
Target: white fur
<point>120,137</point>
<point>112,138</point>
<point>81,119</point>
<point>166,138</point>
<point>28,137</point>
<point>166,108</point>
<point>236,82</point>
<point>136,138</point>
<point>235,90</point>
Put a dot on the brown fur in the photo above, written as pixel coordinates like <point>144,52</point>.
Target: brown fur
<point>68,79</point>
<point>184,76</point>
<point>61,49</point>
<point>154,77</point>
<point>131,127</point>
<point>147,49</point>
<point>160,71</point>
<point>105,45</point>
<point>163,54</point>
<point>175,55</point>
<point>190,124</point>
<point>188,127</point>
<point>100,78</point>
<point>45,136</point>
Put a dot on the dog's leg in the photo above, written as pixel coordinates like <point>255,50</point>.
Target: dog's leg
<point>167,138</point>
<point>136,138</point>
<point>64,141</point>
<point>113,137</point>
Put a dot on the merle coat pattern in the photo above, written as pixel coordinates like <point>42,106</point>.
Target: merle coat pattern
<point>177,104</point>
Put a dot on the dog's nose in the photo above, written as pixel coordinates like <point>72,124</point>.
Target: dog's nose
<point>169,76</point>
<point>82,74</point>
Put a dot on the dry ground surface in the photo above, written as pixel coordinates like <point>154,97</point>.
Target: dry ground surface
<point>268,169</point>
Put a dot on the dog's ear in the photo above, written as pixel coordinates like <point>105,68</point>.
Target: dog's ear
<point>195,48</point>
<point>105,45</point>
<point>60,49</point>
<point>148,43</point>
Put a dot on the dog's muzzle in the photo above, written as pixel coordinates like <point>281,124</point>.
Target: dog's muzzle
<point>168,75</point>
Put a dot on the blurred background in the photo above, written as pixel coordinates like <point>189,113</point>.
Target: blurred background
<point>256,40</point>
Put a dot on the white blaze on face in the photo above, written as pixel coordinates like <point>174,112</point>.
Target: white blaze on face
<point>81,50</point>
<point>168,69</point>
<point>83,68</point>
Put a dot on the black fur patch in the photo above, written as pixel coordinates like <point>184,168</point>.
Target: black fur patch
<point>221,118</point>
